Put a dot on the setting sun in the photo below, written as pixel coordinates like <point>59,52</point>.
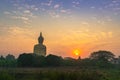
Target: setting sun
<point>77,52</point>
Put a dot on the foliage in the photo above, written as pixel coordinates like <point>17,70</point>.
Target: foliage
<point>39,61</point>
<point>99,59</point>
<point>92,68</point>
<point>53,60</point>
<point>25,60</point>
<point>10,57</point>
<point>9,61</point>
<point>102,59</point>
<point>70,62</point>
<point>102,55</point>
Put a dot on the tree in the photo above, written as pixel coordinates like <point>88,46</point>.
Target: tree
<point>102,59</point>
<point>10,57</point>
<point>2,58</point>
<point>119,60</point>
<point>25,60</point>
<point>53,60</point>
<point>39,61</point>
<point>102,55</point>
<point>10,61</point>
<point>2,61</point>
<point>68,61</point>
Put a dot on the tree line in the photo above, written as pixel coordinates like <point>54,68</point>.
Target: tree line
<point>98,59</point>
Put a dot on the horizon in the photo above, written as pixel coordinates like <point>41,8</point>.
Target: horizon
<point>68,26</point>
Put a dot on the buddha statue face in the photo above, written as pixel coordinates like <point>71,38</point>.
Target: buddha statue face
<point>40,39</point>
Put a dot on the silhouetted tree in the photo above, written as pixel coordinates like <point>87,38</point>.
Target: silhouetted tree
<point>69,61</point>
<point>102,59</point>
<point>2,58</point>
<point>25,60</point>
<point>10,61</point>
<point>10,57</point>
<point>102,55</point>
<point>39,61</point>
<point>85,63</point>
<point>53,60</point>
<point>119,60</point>
<point>2,61</point>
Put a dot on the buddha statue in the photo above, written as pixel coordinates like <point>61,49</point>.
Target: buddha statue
<point>40,49</point>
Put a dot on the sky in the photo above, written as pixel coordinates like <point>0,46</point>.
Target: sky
<point>67,25</point>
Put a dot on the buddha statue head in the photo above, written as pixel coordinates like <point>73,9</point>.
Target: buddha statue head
<point>41,38</point>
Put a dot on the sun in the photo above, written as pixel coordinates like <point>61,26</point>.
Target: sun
<point>77,52</point>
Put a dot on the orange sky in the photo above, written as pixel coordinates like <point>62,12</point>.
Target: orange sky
<point>59,41</point>
<point>66,27</point>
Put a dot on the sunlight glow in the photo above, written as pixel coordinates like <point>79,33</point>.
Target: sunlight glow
<point>77,52</point>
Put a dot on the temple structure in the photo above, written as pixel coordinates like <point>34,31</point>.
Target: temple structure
<point>40,49</point>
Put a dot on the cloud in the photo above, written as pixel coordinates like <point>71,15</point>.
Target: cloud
<point>63,11</point>
<point>32,7</point>
<point>110,34</point>
<point>11,31</point>
<point>56,6</point>
<point>18,30</point>
<point>7,13</point>
<point>49,3</point>
<point>106,34</point>
<point>53,14</point>
<point>24,16</point>
<point>4,30</point>
<point>76,4</point>
<point>100,45</point>
<point>85,23</point>
<point>27,12</point>
<point>22,13</point>
<point>24,19</point>
<point>92,7</point>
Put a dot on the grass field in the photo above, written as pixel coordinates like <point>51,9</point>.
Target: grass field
<point>58,74</point>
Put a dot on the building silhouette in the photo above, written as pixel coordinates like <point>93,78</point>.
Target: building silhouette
<point>40,48</point>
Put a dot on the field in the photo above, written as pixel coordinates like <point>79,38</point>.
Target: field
<point>58,74</point>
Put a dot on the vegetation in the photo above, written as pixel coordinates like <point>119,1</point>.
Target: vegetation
<point>99,59</point>
<point>59,74</point>
<point>8,61</point>
<point>101,65</point>
<point>105,56</point>
<point>6,76</point>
